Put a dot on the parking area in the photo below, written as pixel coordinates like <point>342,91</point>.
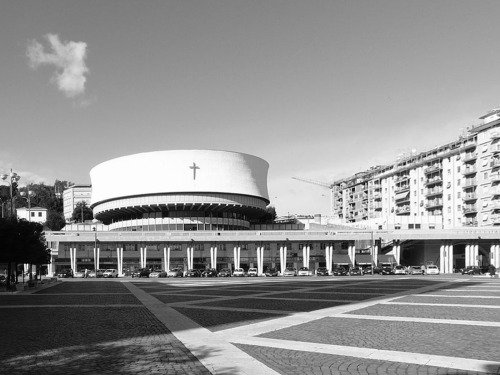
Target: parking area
<point>445,324</point>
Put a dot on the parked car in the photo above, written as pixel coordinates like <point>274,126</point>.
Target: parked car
<point>193,273</point>
<point>211,272</point>
<point>79,274</point>
<point>252,272</point>
<point>399,270</point>
<point>3,280</point>
<point>432,270</point>
<point>471,270</point>
<point>110,272</point>
<point>322,271</point>
<point>225,272</point>
<point>386,270</point>
<point>355,271</point>
<point>304,271</point>
<point>175,272</point>
<point>158,273</point>
<point>367,270</point>
<point>415,270</point>
<point>339,271</point>
<point>239,272</point>
<point>142,272</point>
<point>272,272</point>
<point>290,271</point>
<point>65,273</point>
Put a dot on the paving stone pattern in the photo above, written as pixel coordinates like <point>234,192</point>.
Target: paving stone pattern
<point>293,362</point>
<point>432,312</point>
<point>415,337</point>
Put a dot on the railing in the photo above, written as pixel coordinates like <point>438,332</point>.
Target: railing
<point>470,156</point>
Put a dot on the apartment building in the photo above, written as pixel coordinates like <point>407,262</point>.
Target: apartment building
<point>453,185</point>
<point>74,195</point>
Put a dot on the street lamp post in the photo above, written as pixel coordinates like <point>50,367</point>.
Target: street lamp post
<point>27,195</point>
<point>11,179</point>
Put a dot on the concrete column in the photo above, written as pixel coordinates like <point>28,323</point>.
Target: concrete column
<point>189,256</point>
<point>283,260</point>
<point>375,256</point>
<point>467,255</point>
<point>258,254</point>
<point>305,256</point>
<point>442,258</point>
<point>396,249</point>
<point>235,257</point>
<point>145,256</point>
<point>451,255</point>
<point>352,253</point>
<point>496,259</point>
<point>214,260</point>
<point>475,254</point>
<point>167,259</point>
<point>119,259</point>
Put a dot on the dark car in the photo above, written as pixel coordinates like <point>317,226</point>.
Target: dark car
<point>355,271</point>
<point>339,271</point>
<point>193,273</point>
<point>471,270</point>
<point>212,272</point>
<point>65,273</point>
<point>142,272</point>
<point>3,280</point>
<point>272,272</point>
<point>225,272</point>
<point>322,271</point>
<point>386,270</point>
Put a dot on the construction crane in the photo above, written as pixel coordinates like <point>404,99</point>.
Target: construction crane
<point>320,183</point>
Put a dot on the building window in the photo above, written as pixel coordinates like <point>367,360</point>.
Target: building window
<point>459,207</point>
<point>32,214</point>
<point>458,169</point>
<point>458,182</point>
<point>459,194</point>
<point>39,214</point>
<point>449,197</point>
<point>485,175</point>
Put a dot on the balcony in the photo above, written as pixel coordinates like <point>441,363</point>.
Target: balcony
<point>470,223</point>
<point>401,178</point>
<point>495,205</point>
<point>435,191</point>
<point>434,180</point>
<point>405,210</point>
<point>495,177</point>
<point>495,191</point>
<point>433,168</point>
<point>472,209</point>
<point>495,162</point>
<point>495,148</point>
<point>469,144</point>
<point>470,197</point>
<point>401,189</point>
<point>434,203</point>
<point>468,171</point>
<point>470,156</point>
<point>494,135</point>
<point>469,183</point>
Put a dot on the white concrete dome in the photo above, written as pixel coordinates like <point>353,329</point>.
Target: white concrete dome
<point>162,184</point>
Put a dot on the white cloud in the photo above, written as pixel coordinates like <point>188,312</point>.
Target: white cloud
<point>67,57</point>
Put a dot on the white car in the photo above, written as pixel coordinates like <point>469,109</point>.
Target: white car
<point>238,272</point>
<point>110,272</point>
<point>304,271</point>
<point>252,272</point>
<point>399,270</point>
<point>432,270</point>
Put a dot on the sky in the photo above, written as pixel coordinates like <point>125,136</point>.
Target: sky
<point>320,89</point>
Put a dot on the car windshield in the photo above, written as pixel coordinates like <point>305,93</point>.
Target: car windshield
<point>238,270</point>
<point>290,269</point>
<point>109,270</point>
<point>304,269</point>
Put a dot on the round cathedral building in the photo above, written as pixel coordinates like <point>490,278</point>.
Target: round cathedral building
<point>180,190</point>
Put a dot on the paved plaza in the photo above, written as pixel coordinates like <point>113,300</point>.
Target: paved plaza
<point>448,324</point>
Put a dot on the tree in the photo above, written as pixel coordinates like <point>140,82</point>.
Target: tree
<point>82,212</point>
<point>55,220</point>
<point>22,241</point>
<point>269,216</point>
